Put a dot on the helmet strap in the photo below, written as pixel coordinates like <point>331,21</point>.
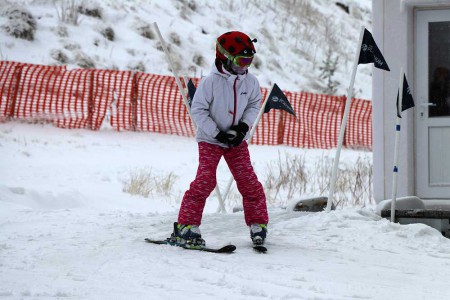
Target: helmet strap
<point>227,66</point>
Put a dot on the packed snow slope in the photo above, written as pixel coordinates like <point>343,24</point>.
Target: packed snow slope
<point>297,39</point>
<point>68,231</point>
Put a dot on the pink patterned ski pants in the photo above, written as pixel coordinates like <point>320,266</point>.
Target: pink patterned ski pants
<point>238,160</point>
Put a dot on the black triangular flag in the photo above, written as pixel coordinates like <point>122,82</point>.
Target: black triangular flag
<point>407,101</point>
<point>191,91</point>
<point>278,100</point>
<point>370,52</point>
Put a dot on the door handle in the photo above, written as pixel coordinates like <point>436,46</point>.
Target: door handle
<point>423,106</point>
<point>426,104</point>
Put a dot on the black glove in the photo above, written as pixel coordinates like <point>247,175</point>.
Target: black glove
<point>223,137</point>
<point>241,130</point>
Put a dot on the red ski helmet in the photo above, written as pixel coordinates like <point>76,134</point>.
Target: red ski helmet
<point>235,46</point>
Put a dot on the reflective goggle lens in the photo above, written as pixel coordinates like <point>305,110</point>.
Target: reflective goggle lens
<point>243,61</point>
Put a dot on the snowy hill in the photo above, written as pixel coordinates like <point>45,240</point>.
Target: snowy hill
<point>68,231</point>
<point>295,37</point>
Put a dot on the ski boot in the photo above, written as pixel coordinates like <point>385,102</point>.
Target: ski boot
<point>187,235</point>
<point>258,233</point>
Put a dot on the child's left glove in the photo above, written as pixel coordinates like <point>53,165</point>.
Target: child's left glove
<point>241,131</point>
<point>223,137</point>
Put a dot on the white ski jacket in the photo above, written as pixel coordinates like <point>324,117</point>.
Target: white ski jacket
<point>222,100</point>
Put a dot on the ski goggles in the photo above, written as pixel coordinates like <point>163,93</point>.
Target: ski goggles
<point>242,61</point>
<point>238,60</point>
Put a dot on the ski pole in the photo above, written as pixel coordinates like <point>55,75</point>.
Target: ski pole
<point>185,100</point>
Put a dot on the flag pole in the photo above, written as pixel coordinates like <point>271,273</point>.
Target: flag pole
<point>344,123</point>
<point>396,147</point>
<point>252,131</point>
<point>185,100</point>
<point>258,118</point>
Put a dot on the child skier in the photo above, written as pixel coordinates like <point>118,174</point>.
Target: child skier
<point>224,107</point>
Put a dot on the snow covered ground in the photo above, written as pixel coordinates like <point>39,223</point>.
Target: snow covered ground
<point>67,231</point>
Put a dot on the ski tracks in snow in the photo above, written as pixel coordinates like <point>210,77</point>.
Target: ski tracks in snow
<point>89,254</point>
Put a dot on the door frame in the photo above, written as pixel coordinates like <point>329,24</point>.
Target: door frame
<point>422,122</point>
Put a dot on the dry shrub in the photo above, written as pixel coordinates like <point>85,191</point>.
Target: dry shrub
<point>144,183</point>
<point>289,178</point>
<point>68,12</point>
<point>288,174</point>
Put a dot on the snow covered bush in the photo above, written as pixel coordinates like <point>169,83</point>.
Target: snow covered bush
<point>184,4</point>
<point>108,33</point>
<point>175,38</point>
<point>144,29</point>
<point>71,46</point>
<point>59,56</point>
<point>84,61</point>
<point>159,47</point>
<point>198,59</point>
<point>137,66</point>
<point>91,10</point>
<point>18,22</point>
<point>186,8</point>
<point>61,31</point>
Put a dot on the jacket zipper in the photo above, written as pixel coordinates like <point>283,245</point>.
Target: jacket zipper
<point>235,100</point>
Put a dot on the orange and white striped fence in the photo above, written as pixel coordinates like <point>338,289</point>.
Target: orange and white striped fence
<point>136,101</point>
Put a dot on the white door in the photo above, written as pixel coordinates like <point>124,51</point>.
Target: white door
<point>432,111</point>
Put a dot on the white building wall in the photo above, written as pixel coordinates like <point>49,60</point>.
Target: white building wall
<point>393,31</point>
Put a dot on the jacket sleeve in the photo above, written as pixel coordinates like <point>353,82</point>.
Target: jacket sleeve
<point>254,104</point>
<point>200,108</point>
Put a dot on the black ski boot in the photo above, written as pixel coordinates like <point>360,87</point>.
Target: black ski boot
<point>258,233</point>
<point>187,235</point>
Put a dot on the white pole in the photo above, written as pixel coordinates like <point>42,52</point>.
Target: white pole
<point>258,118</point>
<point>396,148</point>
<point>344,123</point>
<point>255,124</point>
<point>186,83</point>
<point>183,95</point>
<point>174,71</point>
